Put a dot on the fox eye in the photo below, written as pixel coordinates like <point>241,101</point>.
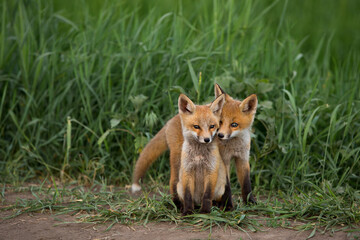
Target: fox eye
<point>220,122</point>
<point>212,126</point>
<point>234,125</point>
<point>196,126</point>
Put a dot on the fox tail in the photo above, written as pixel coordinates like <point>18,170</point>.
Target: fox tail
<point>150,153</point>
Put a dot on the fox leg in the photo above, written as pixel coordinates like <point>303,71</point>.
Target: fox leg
<point>243,174</point>
<point>226,198</point>
<point>209,189</point>
<point>188,185</point>
<point>174,176</point>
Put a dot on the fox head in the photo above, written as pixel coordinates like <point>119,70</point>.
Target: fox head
<point>236,115</point>
<point>200,122</point>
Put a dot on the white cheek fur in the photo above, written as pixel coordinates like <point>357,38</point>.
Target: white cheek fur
<point>188,134</point>
<point>244,134</point>
<point>235,133</point>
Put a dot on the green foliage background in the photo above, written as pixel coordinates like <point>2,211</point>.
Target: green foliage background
<point>85,84</point>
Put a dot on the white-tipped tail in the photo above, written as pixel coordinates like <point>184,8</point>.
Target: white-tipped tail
<point>135,188</point>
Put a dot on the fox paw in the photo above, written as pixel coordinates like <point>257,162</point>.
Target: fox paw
<point>228,207</point>
<point>177,203</point>
<point>135,188</point>
<point>205,210</point>
<point>187,212</point>
<point>251,201</point>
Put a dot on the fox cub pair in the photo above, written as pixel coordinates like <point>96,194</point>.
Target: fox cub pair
<point>200,160</point>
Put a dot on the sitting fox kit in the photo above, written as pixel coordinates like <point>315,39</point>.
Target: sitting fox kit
<point>202,174</point>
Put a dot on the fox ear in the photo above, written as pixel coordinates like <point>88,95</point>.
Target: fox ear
<point>218,90</point>
<point>249,104</point>
<point>185,105</point>
<point>217,105</point>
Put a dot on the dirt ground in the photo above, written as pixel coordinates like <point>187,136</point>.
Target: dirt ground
<point>51,226</point>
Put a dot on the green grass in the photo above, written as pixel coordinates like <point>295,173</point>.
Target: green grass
<point>84,85</point>
<point>319,210</point>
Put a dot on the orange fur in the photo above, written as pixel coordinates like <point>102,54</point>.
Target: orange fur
<point>241,112</point>
<point>200,158</point>
<point>234,134</point>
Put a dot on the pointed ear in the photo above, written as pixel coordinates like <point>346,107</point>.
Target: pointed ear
<point>218,90</point>
<point>249,104</point>
<point>185,105</point>
<point>217,105</point>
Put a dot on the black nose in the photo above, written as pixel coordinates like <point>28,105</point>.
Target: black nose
<point>220,135</point>
<point>207,139</point>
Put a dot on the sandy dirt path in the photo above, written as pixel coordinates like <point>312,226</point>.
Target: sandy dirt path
<point>48,225</point>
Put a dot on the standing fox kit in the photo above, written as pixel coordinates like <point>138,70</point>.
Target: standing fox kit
<point>233,142</point>
<point>234,137</point>
<point>202,174</point>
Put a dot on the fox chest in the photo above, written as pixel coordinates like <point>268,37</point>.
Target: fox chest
<point>198,163</point>
<point>199,167</point>
<point>235,149</point>
<point>195,157</point>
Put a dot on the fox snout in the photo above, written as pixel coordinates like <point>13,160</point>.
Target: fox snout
<point>223,136</point>
<point>205,139</point>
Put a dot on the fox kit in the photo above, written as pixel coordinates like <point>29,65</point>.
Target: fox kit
<point>234,134</point>
<point>234,137</point>
<point>202,173</point>
<point>170,136</point>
